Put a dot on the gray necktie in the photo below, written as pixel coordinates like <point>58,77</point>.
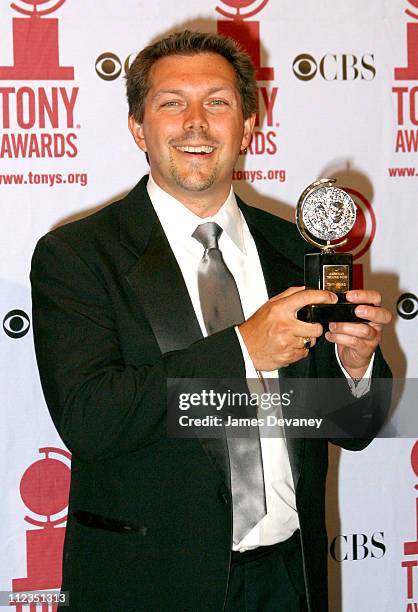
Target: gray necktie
<point>221,307</point>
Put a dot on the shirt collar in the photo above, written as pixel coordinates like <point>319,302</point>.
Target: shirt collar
<point>179,222</point>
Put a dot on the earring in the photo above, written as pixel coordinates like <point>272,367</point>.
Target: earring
<point>243,150</point>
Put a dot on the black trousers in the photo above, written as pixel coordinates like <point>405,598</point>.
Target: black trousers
<point>268,579</point>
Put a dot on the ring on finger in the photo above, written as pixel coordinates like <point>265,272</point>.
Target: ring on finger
<point>307,343</point>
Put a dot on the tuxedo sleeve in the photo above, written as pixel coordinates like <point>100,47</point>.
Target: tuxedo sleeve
<point>101,405</point>
<point>359,419</point>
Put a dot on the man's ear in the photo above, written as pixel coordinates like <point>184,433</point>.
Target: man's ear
<point>248,131</point>
<point>137,132</point>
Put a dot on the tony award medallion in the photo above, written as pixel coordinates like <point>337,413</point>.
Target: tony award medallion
<point>325,214</point>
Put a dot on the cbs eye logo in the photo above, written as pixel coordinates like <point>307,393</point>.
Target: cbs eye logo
<point>335,67</point>
<point>407,306</point>
<point>16,324</point>
<point>305,67</point>
<point>109,67</point>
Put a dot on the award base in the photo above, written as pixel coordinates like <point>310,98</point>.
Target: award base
<point>343,312</point>
<point>333,272</point>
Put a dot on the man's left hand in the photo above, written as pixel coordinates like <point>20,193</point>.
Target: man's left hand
<point>357,342</point>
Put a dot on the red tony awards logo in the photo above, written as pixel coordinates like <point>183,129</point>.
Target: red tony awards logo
<point>44,489</point>
<point>35,45</point>
<point>406,97</point>
<point>361,235</point>
<point>410,72</point>
<point>37,120</point>
<point>247,33</point>
<point>411,548</point>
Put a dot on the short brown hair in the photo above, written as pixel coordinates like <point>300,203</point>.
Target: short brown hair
<point>190,42</point>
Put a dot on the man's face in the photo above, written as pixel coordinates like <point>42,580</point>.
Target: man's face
<point>193,127</point>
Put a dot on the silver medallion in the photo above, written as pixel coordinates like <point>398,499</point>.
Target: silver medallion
<point>325,213</point>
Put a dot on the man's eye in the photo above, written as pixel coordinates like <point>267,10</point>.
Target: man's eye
<point>170,103</point>
<point>218,102</point>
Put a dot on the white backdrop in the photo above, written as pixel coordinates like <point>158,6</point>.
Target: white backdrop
<point>338,96</point>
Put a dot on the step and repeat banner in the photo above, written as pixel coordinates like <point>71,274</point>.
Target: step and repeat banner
<point>337,97</point>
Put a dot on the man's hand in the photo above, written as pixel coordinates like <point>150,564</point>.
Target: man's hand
<point>273,335</point>
<point>357,342</point>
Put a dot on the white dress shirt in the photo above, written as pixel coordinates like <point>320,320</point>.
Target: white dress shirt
<point>241,257</point>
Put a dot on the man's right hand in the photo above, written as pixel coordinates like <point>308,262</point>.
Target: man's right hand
<point>274,337</point>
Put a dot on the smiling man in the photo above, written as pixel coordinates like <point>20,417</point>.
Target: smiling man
<point>181,279</point>
<point>192,128</point>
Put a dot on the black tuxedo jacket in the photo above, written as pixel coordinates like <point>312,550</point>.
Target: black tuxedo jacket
<point>149,525</point>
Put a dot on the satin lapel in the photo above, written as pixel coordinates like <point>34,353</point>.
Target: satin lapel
<point>156,278</point>
<point>281,273</point>
<point>159,286</point>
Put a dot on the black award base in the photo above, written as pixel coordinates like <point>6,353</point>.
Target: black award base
<point>333,272</point>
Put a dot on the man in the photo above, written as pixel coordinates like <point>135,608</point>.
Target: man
<point>123,301</point>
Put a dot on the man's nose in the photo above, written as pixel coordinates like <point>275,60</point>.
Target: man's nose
<point>196,118</point>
